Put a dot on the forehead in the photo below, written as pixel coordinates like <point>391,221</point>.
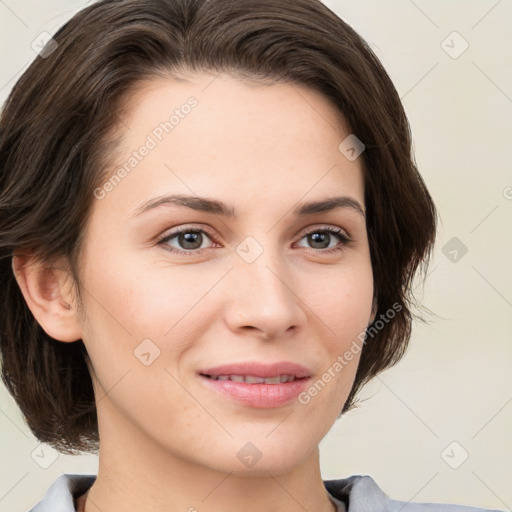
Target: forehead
<point>221,135</point>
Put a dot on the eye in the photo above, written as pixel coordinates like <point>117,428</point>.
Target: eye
<point>321,239</point>
<point>189,240</point>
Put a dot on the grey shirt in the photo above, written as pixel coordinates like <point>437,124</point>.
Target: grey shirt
<point>358,493</point>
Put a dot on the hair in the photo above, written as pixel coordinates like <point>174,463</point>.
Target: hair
<point>56,137</point>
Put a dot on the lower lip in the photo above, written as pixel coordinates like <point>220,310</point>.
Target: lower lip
<point>262,396</point>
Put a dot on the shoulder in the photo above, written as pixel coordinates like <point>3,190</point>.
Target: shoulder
<point>63,492</point>
<point>360,493</point>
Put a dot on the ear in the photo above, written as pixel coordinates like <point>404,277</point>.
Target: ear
<point>47,292</point>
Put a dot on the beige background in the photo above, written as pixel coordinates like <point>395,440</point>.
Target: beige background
<point>455,384</point>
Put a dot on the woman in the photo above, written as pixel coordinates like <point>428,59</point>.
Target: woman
<point>210,223</point>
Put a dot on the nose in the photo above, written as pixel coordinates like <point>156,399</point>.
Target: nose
<point>262,298</point>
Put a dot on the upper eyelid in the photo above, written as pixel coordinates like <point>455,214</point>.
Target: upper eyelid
<point>320,227</point>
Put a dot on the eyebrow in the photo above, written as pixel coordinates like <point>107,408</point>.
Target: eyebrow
<point>213,206</point>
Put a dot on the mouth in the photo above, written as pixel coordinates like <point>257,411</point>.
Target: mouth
<point>254,372</point>
<point>253,379</point>
<point>258,385</point>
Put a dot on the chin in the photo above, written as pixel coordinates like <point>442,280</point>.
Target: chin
<point>263,457</point>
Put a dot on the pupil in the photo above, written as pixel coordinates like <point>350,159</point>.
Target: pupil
<point>191,237</point>
<point>320,238</point>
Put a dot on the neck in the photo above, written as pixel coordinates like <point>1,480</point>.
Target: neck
<point>136,473</point>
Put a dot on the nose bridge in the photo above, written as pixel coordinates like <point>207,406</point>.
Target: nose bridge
<point>263,272</point>
<point>262,294</point>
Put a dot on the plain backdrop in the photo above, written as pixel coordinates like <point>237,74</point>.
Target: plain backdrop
<point>438,426</point>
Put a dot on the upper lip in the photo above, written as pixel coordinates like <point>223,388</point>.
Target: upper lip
<point>259,369</point>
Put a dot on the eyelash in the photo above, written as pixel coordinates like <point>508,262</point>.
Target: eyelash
<point>345,240</point>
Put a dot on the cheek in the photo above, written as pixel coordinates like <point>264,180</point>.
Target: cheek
<point>342,313</point>
<point>146,299</point>
<point>341,300</point>
<point>133,310</point>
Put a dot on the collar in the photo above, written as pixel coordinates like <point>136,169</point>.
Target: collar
<point>62,495</point>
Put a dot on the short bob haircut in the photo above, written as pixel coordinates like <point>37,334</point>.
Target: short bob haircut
<point>57,140</point>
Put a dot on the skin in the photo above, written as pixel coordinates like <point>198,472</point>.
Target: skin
<point>167,441</point>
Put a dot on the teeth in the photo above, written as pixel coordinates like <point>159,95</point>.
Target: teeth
<point>254,380</point>
<point>251,379</point>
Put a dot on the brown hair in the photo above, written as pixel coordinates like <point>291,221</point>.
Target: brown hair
<point>54,139</point>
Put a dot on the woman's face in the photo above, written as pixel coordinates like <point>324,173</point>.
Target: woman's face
<point>254,282</point>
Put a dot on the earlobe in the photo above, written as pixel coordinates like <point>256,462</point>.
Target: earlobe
<point>47,296</point>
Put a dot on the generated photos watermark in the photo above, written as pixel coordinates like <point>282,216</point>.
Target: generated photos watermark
<point>343,359</point>
<point>156,136</point>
